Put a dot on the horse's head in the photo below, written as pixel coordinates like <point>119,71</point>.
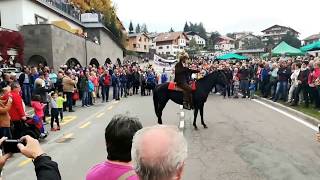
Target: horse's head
<point>220,78</point>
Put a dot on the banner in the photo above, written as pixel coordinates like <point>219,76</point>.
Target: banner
<point>160,59</point>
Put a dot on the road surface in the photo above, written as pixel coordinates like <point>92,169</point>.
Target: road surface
<point>245,141</point>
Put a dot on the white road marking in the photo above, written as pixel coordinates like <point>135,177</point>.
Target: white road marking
<point>288,115</point>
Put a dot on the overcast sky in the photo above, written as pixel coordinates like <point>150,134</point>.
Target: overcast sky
<point>222,15</point>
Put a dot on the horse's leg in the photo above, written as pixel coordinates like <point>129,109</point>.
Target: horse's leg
<point>201,114</point>
<point>195,118</point>
<point>160,109</point>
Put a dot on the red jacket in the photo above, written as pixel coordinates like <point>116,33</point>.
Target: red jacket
<point>38,108</point>
<point>17,111</point>
<point>314,75</point>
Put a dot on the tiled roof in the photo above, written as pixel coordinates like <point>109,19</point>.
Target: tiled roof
<point>169,36</point>
<point>313,37</point>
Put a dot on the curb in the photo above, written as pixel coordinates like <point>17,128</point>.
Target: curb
<point>307,118</point>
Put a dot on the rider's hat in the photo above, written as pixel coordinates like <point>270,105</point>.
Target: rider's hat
<point>183,56</point>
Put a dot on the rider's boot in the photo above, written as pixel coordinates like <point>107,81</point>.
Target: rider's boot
<point>187,102</point>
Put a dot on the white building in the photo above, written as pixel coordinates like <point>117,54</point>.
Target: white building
<point>15,13</point>
<point>201,42</point>
<point>171,43</point>
<point>225,43</point>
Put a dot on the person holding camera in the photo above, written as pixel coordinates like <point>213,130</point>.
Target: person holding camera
<point>45,168</point>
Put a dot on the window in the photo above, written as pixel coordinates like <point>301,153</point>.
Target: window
<point>160,47</point>
<point>167,47</point>
<point>145,39</point>
<point>140,39</point>
<point>167,52</point>
<point>145,47</point>
<point>134,46</point>
<point>40,20</point>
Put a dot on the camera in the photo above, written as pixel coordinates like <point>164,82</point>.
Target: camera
<point>10,146</point>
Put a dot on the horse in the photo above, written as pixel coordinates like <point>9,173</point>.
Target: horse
<point>161,95</point>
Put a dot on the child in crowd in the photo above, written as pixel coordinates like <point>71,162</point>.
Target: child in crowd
<point>236,83</point>
<point>252,88</point>
<point>54,111</point>
<point>60,100</point>
<point>38,109</point>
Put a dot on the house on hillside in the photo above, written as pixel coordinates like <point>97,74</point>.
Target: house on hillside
<point>277,32</point>
<point>311,39</point>
<point>138,42</point>
<point>201,42</point>
<point>171,43</point>
<point>224,43</point>
<point>249,41</point>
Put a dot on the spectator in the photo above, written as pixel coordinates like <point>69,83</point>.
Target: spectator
<point>5,106</point>
<point>294,81</point>
<point>41,89</point>
<point>302,85</point>
<point>84,90</point>
<point>6,80</point>
<point>54,111</point>
<point>244,74</point>
<point>24,81</point>
<point>68,89</point>
<point>164,76</point>
<point>118,138</point>
<point>265,79</point>
<point>17,112</point>
<point>282,85</point>
<point>161,159</point>
<point>106,79</point>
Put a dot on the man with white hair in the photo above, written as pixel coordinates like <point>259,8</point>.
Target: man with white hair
<point>159,153</point>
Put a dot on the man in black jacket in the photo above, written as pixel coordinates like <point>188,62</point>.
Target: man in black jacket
<point>182,74</point>
<point>302,85</point>
<point>45,168</point>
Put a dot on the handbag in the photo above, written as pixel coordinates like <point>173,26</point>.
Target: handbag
<point>75,96</point>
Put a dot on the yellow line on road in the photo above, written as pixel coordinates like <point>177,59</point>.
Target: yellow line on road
<point>109,108</point>
<point>85,125</point>
<point>69,135</point>
<point>68,119</point>
<point>24,162</point>
<point>99,115</point>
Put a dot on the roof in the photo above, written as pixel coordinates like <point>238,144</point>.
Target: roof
<point>192,33</point>
<point>169,36</point>
<point>313,37</point>
<point>226,38</point>
<point>280,27</point>
<point>285,49</point>
<point>138,34</point>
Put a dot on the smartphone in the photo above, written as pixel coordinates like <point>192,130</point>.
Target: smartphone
<point>10,146</point>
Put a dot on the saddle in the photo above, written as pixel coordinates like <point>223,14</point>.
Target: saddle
<point>174,87</point>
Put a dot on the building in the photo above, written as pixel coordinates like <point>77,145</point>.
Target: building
<point>138,42</point>
<point>311,39</point>
<point>249,41</point>
<point>224,43</point>
<point>239,35</point>
<point>152,37</point>
<point>277,32</point>
<point>201,42</point>
<point>54,34</point>
<point>171,43</point>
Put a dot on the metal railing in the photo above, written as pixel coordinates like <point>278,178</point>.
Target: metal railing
<point>66,7</point>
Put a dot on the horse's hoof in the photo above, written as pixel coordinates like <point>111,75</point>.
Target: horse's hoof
<point>205,126</point>
<point>195,127</point>
<point>159,122</point>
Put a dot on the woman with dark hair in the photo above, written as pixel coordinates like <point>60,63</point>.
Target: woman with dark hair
<point>118,136</point>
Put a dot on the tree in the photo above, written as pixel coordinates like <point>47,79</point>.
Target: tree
<point>144,28</point>
<point>171,30</point>
<point>138,28</point>
<point>292,40</point>
<point>252,43</point>
<point>231,35</point>
<point>130,28</point>
<point>186,27</point>
<point>212,40</point>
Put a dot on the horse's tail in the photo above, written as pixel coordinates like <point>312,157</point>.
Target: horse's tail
<point>155,101</point>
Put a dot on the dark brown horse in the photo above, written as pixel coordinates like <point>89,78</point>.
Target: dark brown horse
<point>162,95</point>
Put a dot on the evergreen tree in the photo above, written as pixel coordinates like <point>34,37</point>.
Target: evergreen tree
<point>171,30</point>
<point>130,28</point>
<point>292,40</point>
<point>186,27</point>
<point>144,28</point>
<point>138,28</point>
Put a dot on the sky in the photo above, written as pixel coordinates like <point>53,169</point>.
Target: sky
<point>223,16</point>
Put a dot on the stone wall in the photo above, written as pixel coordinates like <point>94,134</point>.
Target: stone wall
<point>57,46</point>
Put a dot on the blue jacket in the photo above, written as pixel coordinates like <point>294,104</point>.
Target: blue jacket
<point>264,74</point>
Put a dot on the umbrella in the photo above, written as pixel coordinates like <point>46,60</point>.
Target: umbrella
<point>311,47</point>
<point>232,56</point>
<point>285,49</point>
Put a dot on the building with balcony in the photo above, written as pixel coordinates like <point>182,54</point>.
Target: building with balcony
<point>277,32</point>
<point>171,43</point>
<point>56,33</point>
<point>224,43</point>
<point>311,39</point>
<point>138,42</point>
<point>201,42</point>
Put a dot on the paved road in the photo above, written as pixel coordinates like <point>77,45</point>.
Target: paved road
<point>245,141</point>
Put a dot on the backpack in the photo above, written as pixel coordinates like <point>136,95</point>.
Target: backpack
<point>90,86</point>
<point>106,80</point>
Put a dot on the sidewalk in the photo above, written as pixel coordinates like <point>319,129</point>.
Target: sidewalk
<point>307,118</point>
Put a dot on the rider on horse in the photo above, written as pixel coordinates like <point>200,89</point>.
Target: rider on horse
<point>182,77</point>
